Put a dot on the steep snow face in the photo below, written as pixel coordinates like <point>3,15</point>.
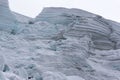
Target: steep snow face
<point>7,19</point>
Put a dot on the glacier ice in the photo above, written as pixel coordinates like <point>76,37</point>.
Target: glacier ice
<point>75,78</point>
<point>7,19</point>
<point>59,44</point>
<point>53,76</point>
<point>80,22</point>
<point>56,15</point>
<point>2,77</point>
<point>2,63</point>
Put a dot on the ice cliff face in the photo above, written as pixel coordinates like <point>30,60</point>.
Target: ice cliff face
<point>57,15</point>
<point>80,22</point>
<point>7,19</point>
<point>21,18</point>
<point>59,44</point>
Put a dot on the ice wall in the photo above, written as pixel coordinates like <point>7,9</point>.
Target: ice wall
<point>79,22</point>
<point>7,19</point>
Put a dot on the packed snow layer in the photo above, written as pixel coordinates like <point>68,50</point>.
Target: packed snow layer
<point>61,44</point>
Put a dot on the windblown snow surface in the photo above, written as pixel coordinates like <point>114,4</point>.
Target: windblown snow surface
<point>59,44</point>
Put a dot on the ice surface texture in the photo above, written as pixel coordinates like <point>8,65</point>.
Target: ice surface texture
<point>59,44</point>
<point>7,19</point>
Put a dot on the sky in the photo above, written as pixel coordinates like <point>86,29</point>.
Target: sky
<point>109,9</point>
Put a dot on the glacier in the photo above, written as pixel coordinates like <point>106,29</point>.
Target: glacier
<point>7,19</point>
<point>59,44</point>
